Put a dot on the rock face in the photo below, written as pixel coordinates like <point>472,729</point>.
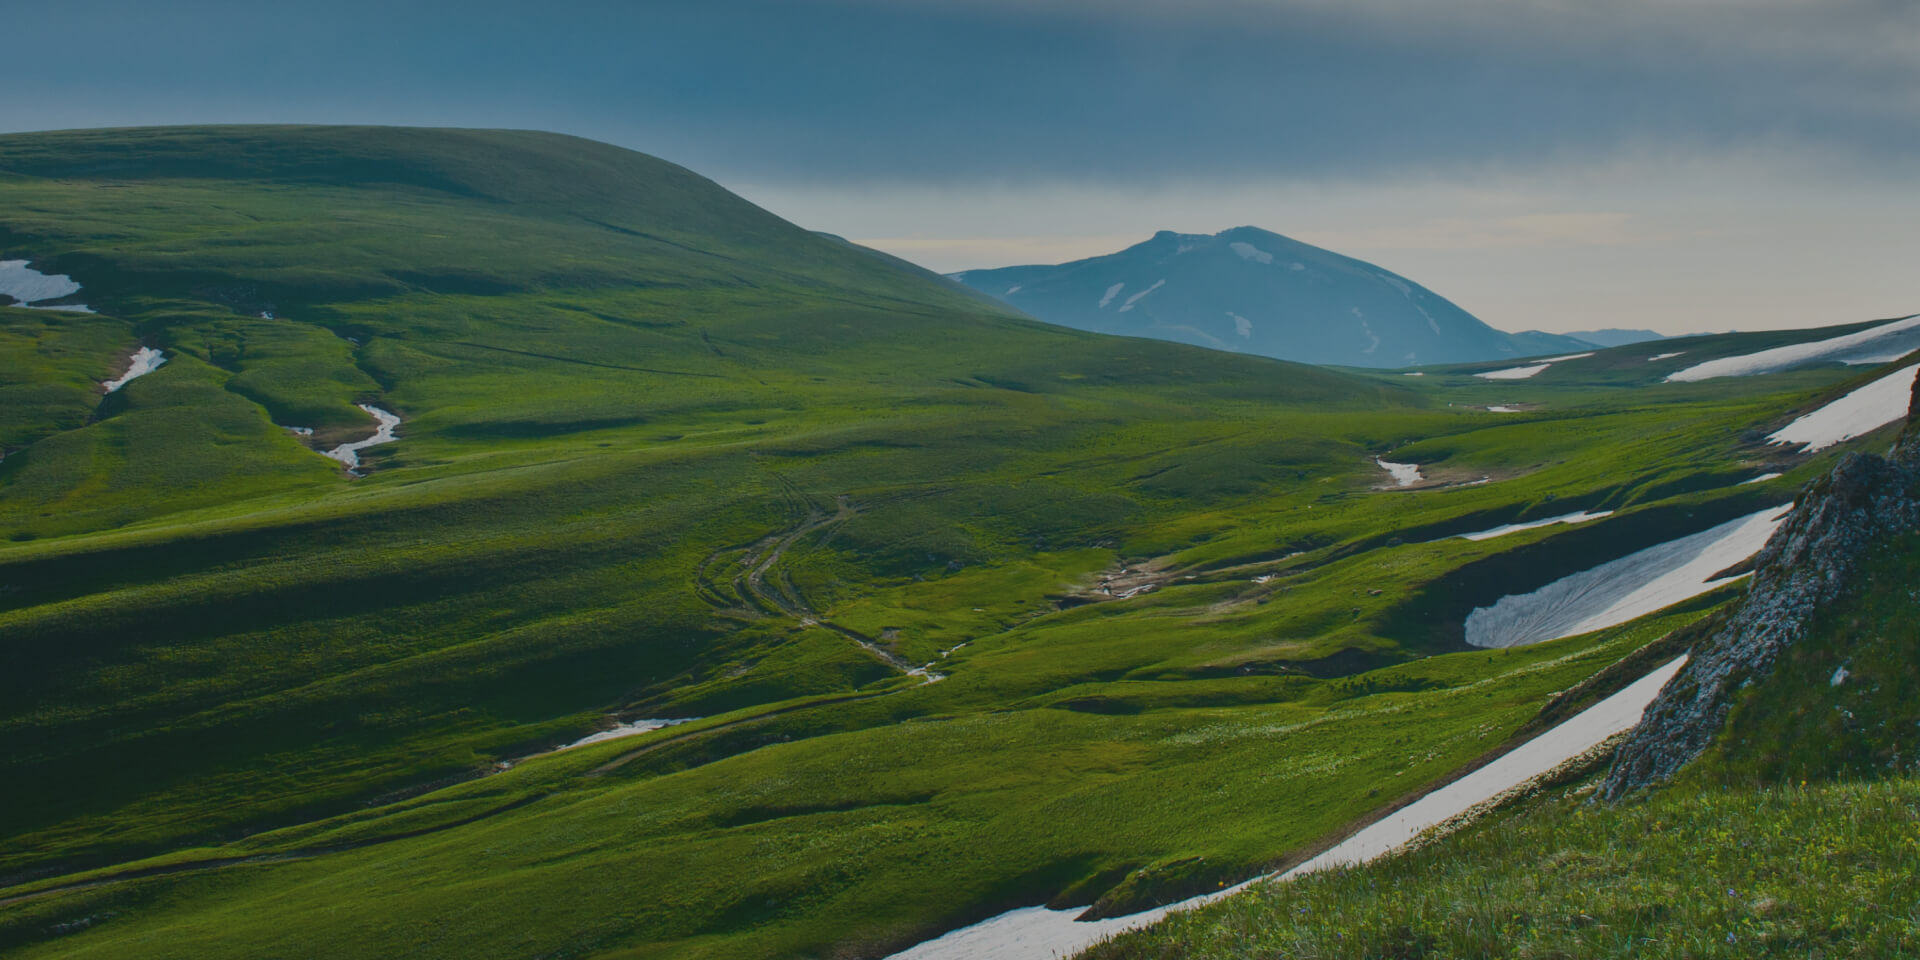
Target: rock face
<point>1250,290</point>
<point>1806,564</point>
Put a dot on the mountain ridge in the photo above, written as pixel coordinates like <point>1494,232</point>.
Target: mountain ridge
<point>1250,290</point>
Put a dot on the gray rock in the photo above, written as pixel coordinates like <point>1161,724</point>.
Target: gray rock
<point>1866,499</point>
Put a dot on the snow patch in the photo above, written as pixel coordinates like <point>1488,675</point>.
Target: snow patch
<point>1864,410</point>
<point>630,729</point>
<point>1763,478</point>
<point>1406,290</point>
<point>1839,676</point>
<point>1882,344</point>
<point>1663,356</point>
<point>1514,373</point>
<point>1012,290</point>
<point>1416,373</point>
<point>1501,531</point>
<point>1624,589</point>
<point>1037,933</point>
<point>349,453</point>
<point>29,286</point>
<point>144,361</point>
<point>1367,329</point>
<point>1570,356</point>
<point>1128,305</point>
<point>1241,325</point>
<point>1112,292</point>
<point>1248,251</point>
<point>1403,474</point>
<point>1501,408</point>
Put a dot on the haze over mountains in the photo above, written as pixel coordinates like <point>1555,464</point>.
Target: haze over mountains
<point>1254,291</point>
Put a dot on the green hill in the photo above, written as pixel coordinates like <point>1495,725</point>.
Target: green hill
<point>663,455</point>
<point>1765,807</point>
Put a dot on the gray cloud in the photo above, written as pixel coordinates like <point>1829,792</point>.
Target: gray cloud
<point>1122,91</point>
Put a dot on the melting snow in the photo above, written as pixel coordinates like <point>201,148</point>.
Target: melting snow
<point>1367,329</point>
<point>1763,478</point>
<point>1012,290</point>
<point>1037,933</point>
<point>1112,292</point>
<point>1416,373</point>
<point>1497,408</point>
<point>30,286</point>
<point>1513,373</point>
<point>1501,531</point>
<point>630,729</point>
<point>349,453</point>
<point>1663,356</point>
<point>1882,344</point>
<point>1863,411</point>
<point>1403,474</point>
<point>1624,589</point>
<point>144,361</point>
<point>1241,325</point>
<point>1570,356</point>
<point>1136,297</point>
<point>1248,251</point>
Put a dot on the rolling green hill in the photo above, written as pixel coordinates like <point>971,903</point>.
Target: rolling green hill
<point>663,455</point>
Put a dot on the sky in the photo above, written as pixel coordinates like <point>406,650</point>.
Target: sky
<point>1685,165</point>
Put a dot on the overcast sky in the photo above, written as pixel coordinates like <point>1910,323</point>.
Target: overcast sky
<point>1552,164</point>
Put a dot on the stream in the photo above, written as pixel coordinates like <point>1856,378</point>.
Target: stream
<point>1037,933</point>
<point>349,453</point>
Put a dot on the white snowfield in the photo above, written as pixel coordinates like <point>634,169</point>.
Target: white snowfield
<point>1882,344</point>
<point>1514,373</point>
<point>1248,251</point>
<point>28,287</point>
<point>630,729</point>
<point>1531,370</point>
<point>349,453</point>
<point>1501,531</point>
<point>144,361</point>
<point>1664,356</point>
<point>1538,756</point>
<point>1403,474</point>
<point>1863,411</point>
<point>1037,933</point>
<point>1112,292</point>
<point>1625,589</point>
<point>1130,301</point>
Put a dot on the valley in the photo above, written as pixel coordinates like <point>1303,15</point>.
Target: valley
<point>864,608</point>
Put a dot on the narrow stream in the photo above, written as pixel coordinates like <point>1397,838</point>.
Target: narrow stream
<point>349,453</point>
<point>1037,933</point>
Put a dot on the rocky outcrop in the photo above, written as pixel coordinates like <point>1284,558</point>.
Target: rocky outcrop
<point>1806,564</point>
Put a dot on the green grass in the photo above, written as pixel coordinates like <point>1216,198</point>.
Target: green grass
<point>622,387</point>
<point>1828,870</point>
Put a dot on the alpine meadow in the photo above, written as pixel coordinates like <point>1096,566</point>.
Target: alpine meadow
<point>476,543</point>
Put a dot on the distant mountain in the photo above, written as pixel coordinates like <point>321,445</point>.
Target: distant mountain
<point>1616,336</point>
<point>1249,290</point>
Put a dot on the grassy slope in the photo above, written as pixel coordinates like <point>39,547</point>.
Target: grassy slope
<point>1793,836</point>
<point>618,382</point>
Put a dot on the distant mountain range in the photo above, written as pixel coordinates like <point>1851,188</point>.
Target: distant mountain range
<point>1254,291</point>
